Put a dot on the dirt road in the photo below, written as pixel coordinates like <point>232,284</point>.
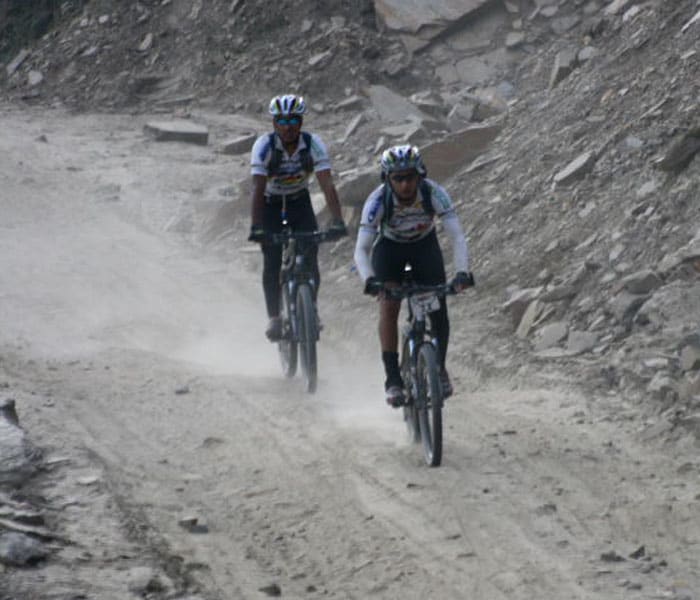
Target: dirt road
<point>138,364</point>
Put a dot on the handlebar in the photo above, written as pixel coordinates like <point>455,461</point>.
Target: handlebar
<point>412,289</point>
<point>307,236</point>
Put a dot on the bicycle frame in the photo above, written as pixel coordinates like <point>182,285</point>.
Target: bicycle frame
<point>421,300</point>
<point>423,409</point>
<point>298,287</point>
<point>296,269</point>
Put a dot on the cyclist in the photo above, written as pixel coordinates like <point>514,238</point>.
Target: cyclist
<point>397,228</point>
<point>281,165</point>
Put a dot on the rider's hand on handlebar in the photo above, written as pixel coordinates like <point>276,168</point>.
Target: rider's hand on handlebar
<point>337,229</point>
<point>462,280</point>
<point>257,233</point>
<point>373,286</point>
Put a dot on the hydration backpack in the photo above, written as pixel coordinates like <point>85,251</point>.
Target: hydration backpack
<point>307,161</point>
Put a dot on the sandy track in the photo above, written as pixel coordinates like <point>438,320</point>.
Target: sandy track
<point>151,350</point>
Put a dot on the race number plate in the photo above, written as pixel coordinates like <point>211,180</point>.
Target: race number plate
<point>425,303</point>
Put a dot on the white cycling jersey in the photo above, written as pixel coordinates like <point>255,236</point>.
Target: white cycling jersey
<point>408,224</point>
<point>290,178</point>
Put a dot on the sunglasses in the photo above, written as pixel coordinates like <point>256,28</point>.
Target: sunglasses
<point>288,121</point>
<point>407,177</point>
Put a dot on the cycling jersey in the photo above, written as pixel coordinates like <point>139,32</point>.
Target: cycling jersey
<point>290,177</point>
<point>407,223</point>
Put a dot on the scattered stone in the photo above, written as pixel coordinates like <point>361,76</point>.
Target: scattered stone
<point>353,102</point>
<point>143,580</point>
<point>393,108</point>
<point>564,64</point>
<point>16,62</point>
<point>518,302</point>
<point>146,43</point>
<point>239,145</point>
<point>641,282</point>
<point>515,39</point>
<point>682,152</point>
<point>550,335</point>
<point>586,54</point>
<point>447,156</point>
<point>580,342</point>
<point>8,411</point>
<point>88,480</point>
<point>689,253</point>
<point>661,385</point>
<point>428,20</point>
<point>352,127</point>
<point>576,169</point>
<point>695,19</point>
<point>178,131</point>
<point>546,509</point>
<point>193,524</point>
<point>561,25</point>
<point>16,452</point>
<point>19,550</point>
<point>690,357</point>
<point>532,313</point>
<point>647,189</point>
<point>34,78</point>
<point>616,6</point>
<point>273,590</point>
<point>319,60</point>
<point>611,556</point>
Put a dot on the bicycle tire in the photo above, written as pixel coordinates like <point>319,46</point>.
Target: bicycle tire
<point>287,346</point>
<point>410,414</point>
<point>308,334</point>
<point>429,404</point>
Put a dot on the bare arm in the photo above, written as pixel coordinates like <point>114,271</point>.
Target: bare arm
<point>257,199</point>
<point>325,181</point>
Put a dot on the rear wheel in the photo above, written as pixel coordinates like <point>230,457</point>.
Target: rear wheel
<point>287,346</point>
<point>308,334</point>
<point>410,414</point>
<point>429,404</point>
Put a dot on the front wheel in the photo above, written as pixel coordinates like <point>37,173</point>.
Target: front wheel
<point>287,346</point>
<point>429,404</point>
<point>410,414</point>
<point>308,334</point>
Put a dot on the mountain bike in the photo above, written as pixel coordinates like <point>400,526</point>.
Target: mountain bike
<point>300,324</point>
<point>420,370</point>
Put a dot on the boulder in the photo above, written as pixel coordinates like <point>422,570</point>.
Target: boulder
<point>239,145</point>
<point>426,19</point>
<point>178,131</point>
<point>449,155</point>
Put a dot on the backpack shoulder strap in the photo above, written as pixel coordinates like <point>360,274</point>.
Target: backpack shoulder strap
<point>275,156</point>
<point>427,195</point>
<point>307,161</point>
<point>387,204</point>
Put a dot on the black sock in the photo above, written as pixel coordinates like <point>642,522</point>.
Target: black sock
<point>391,367</point>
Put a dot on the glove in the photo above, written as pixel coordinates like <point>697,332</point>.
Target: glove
<point>257,233</point>
<point>462,280</point>
<point>337,229</point>
<point>373,286</point>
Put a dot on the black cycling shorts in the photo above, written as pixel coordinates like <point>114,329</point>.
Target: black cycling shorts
<point>389,259</point>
